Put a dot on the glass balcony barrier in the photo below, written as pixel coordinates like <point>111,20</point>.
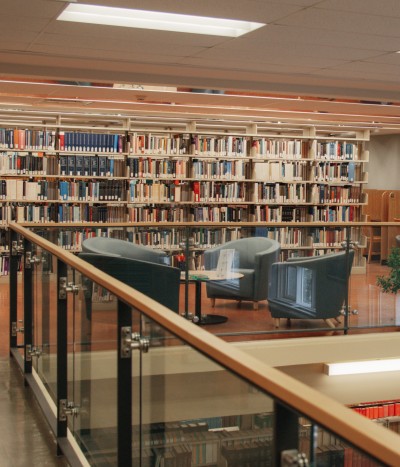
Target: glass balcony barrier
<point>237,303</point>
<point>123,380</point>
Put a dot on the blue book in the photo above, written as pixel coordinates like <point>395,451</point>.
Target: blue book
<point>79,165</point>
<point>67,141</point>
<point>116,140</point>
<point>102,166</point>
<point>64,190</point>
<point>110,166</point>
<point>351,171</point>
<point>86,165</point>
<point>94,166</point>
<point>91,142</point>
<point>71,165</point>
<point>63,165</point>
<point>102,142</point>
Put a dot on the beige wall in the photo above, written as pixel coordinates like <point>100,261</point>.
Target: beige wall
<point>384,162</point>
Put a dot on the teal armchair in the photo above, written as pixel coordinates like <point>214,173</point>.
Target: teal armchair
<point>310,288</point>
<point>139,267</point>
<point>253,258</point>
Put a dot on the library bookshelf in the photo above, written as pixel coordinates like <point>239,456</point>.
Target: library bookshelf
<point>297,189</point>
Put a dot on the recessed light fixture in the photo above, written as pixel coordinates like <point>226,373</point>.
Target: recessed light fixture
<point>362,366</point>
<point>143,19</point>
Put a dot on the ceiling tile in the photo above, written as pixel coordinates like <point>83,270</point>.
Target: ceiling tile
<point>344,21</point>
<point>49,41</point>
<point>380,8</point>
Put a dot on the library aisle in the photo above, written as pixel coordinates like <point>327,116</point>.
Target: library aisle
<point>25,438</point>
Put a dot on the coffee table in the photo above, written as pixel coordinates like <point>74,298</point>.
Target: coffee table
<point>198,277</point>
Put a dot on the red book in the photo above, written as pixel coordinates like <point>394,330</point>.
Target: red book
<point>196,191</point>
<point>61,141</point>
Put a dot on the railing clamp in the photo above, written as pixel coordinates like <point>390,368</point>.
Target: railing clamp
<point>65,287</point>
<point>67,408</point>
<point>293,458</point>
<point>15,329</point>
<point>29,259</point>
<point>132,341</point>
<point>31,351</point>
<point>16,248</point>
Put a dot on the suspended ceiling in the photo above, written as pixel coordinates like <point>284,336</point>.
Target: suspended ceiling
<point>341,52</point>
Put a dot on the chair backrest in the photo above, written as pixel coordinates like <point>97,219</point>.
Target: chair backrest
<point>247,248</point>
<point>116,247</point>
<point>157,281</point>
<point>321,290</point>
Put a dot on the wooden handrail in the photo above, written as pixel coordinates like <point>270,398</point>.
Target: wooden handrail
<point>357,430</point>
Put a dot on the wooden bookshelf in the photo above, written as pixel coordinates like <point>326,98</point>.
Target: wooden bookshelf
<point>78,176</point>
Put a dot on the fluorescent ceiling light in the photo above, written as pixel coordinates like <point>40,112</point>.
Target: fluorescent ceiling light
<point>364,366</point>
<point>156,20</point>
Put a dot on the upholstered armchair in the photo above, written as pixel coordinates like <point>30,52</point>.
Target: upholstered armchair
<point>114,246</point>
<point>139,267</point>
<point>310,288</point>
<point>253,258</point>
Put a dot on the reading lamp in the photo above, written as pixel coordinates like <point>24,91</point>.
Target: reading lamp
<point>362,366</point>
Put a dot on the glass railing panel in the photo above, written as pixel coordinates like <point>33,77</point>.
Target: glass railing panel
<point>324,448</point>
<point>20,302</point>
<point>44,342</point>
<point>194,411</point>
<point>92,357</point>
<point>370,305</point>
<point>187,247</point>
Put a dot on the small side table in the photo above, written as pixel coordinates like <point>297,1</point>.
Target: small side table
<point>198,277</point>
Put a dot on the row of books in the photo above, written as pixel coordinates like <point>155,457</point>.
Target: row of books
<point>219,214</point>
<point>162,192</point>
<point>328,171</point>
<point>69,212</point>
<point>147,143</point>
<point>321,194</point>
<point>159,144</point>
<point>23,163</point>
<point>229,170</point>
<point>379,409</point>
<point>253,453</point>
<point>280,214</point>
<point>335,150</point>
<point>268,213</point>
<point>220,145</point>
<point>105,190</point>
<point>280,193</point>
<point>115,166</point>
<point>154,168</point>
<point>333,214</point>
<point>277,170</point>
<point>91,142</point>
<point>94,166</point>
<point>287,149</point>
<point>85,213</point>
<point>27,139</point>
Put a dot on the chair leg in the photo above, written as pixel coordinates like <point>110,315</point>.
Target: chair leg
<point>330,323</point>
<point>255,305</point>
<point>213,303</point>
<point>369,250</point>
<point>276,322</point>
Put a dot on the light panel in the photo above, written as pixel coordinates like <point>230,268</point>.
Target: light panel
<point>363,366</point>
<point>143,19</point>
